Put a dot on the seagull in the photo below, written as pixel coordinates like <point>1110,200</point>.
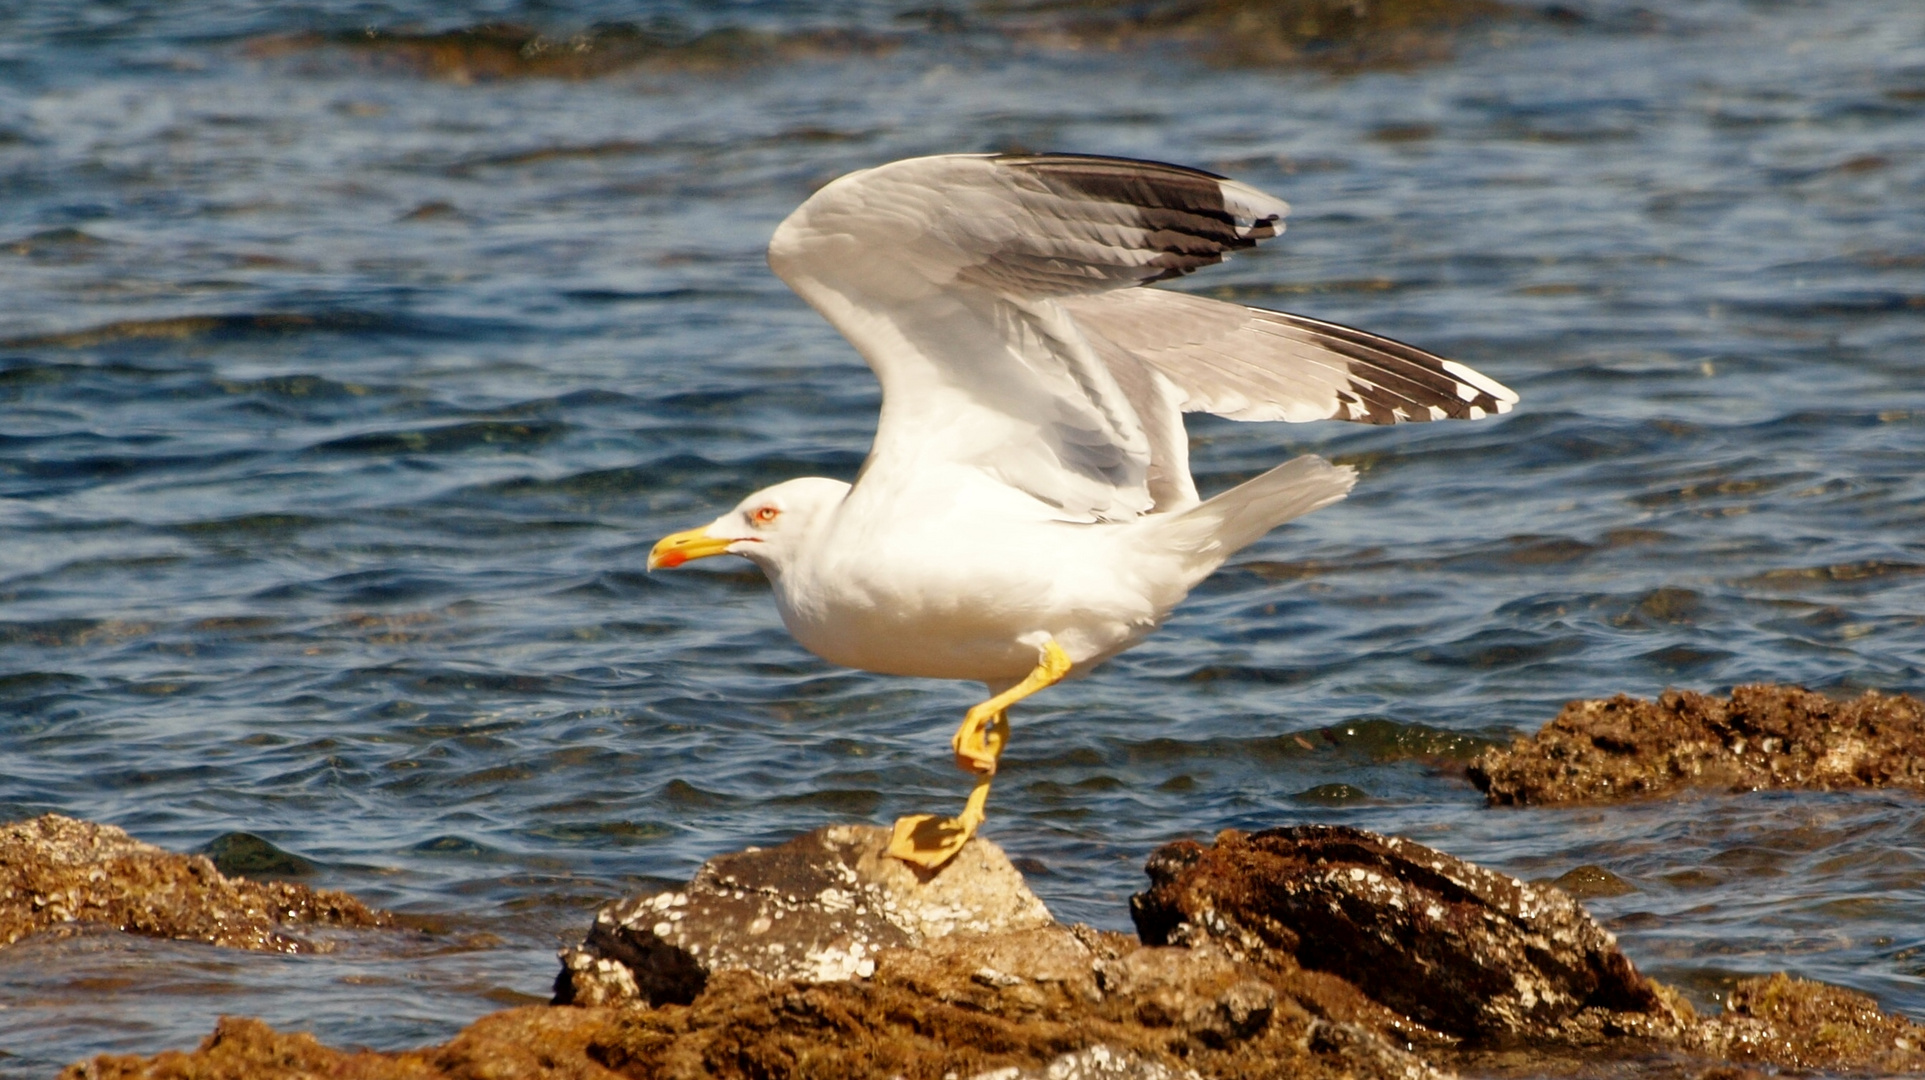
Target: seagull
<point>1027,510</point>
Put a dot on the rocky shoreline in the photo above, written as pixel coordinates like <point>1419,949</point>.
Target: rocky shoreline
<point>1760,737</point>
<point>1308,951</point>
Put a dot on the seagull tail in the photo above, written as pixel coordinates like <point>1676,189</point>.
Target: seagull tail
<point>1211,532</point>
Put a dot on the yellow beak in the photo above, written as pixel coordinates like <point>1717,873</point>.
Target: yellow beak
<point>673,551</point>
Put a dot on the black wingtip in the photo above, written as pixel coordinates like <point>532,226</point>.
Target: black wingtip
<point>1110,159</point>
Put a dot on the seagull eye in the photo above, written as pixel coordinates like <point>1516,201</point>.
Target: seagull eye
<point>765,516</point>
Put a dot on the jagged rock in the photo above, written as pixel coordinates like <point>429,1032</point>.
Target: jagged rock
<point>1095,1063</point>
<point>58,872</point>
<point>981,984</point>
<point>817,909</point>
<point>1459,948</point>
<point>1761,737</point>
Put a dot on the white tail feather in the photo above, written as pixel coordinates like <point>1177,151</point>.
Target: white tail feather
<point>1212,531</point>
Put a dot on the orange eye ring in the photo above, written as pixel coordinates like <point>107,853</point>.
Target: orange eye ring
<point>765,516</point>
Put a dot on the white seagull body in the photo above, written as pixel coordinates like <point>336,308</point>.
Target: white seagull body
<point>1027,508</point>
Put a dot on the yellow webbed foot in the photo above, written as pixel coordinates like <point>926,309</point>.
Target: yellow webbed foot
<point>930,841</point>
<point>927,840</point>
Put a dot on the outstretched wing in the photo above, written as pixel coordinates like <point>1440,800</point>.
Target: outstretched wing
<point>946,272</point>
<point>1251,364</point>
<point>994,298</point>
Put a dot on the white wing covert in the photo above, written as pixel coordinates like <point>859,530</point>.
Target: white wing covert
<point>946,272</point>
<point>995,299</point>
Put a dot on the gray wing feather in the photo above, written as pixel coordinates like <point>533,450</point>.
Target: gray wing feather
<point>946,272</point>
<point>1253,364</point>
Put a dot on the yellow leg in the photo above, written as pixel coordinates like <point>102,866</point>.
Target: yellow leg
<point>925,839</point>
<point>971,742</point>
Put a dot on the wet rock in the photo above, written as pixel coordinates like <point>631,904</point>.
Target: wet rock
<point>487,52</point>
<point>979,983</point>
<point>959,973</point>
<point>1761,737</point>
<point>1456,947</point>
<point>1339,34</point>
<point>240,854</point>
<point>943,1011</point>
<point>1095,1063</point>
<point>1799,1024</point>
<point>59,872</point>
<point>241,1047</point>
<point>817,909</point>
<point>1331,34</point>
<point>1588,882</point>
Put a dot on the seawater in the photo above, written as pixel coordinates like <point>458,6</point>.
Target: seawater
<point>340,404</point>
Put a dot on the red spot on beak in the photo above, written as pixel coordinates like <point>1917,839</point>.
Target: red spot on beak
<point>671,559</point>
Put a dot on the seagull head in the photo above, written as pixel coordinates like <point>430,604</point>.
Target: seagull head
<point>767,528</point>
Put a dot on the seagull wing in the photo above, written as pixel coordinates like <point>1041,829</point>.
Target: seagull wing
<point>951,276</point>
<point>1252,364</point>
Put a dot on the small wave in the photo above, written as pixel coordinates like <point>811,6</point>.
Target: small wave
<point>448,439</point>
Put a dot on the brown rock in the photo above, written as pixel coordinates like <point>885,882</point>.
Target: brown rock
<point>1452,945</point>
<point>1340,34</point>
<point>491,51</point>
<point>242,1048</point>
<point>819,908</point>
<point>1589,882</point>
<point>55,872</point>
<point>1795,1023</point>
<point>982,985</point>
<point>943,1010</point>
<point>536,1043</point>
<point>1761,737</point>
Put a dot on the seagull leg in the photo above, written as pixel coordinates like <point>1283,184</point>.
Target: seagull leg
<point>971,741</point>
<point>927,840</point>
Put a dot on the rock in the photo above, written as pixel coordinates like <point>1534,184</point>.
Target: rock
<point>530,1043</point>
<point>1339,34</point>
<point>1096,1063</point>
<point>819,908</point>
<point>1795,1023</point>
<point>1456,947</point>
<point>1589,882</point>
<point>970,978</point>
<point>1761,737</point>
<point>487,52</point>
<point>239,854</point>
<point>58,872</point>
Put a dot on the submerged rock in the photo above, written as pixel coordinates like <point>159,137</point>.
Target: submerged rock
<point>487,52</point>
<point>59,872</point>
<point>1344,35</point>
<point>1340,34</point>
<point>1589,882</point>
<point>1761,737</point>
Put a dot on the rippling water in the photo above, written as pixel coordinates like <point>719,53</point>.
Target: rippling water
<point>340,404</point>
